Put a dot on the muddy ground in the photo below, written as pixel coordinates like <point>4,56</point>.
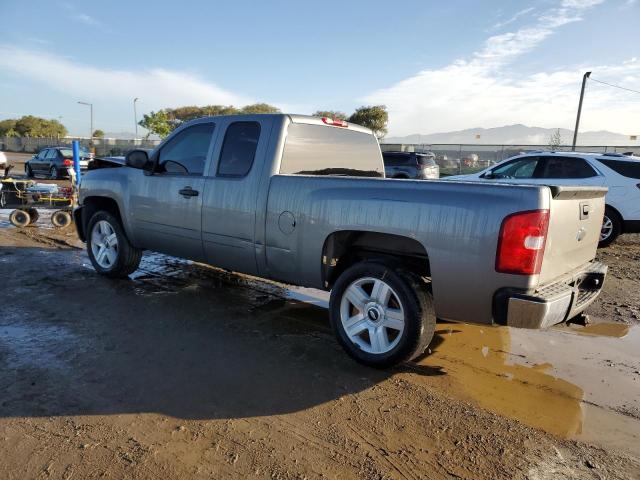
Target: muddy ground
<point>185,371</point>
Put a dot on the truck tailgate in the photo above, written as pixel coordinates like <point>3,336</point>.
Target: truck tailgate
<point>574,229</point>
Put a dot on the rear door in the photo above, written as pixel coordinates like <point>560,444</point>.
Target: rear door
<point>166,206</point>
<point>231,192</point>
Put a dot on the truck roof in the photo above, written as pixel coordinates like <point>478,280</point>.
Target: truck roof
<point>293,118</point>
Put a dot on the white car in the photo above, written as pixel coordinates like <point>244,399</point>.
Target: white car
<point>620,173</point>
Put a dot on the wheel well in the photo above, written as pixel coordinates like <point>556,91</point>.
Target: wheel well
<point>343,249</point>
<point>91,205</point>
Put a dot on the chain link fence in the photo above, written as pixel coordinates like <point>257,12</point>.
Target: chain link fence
<point>101,146</point>
<point>455,159</point>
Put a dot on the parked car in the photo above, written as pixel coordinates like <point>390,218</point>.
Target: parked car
<point>54,161</point>
<point>301,200</point>
<point>620,173</point>
<point>410,165</point>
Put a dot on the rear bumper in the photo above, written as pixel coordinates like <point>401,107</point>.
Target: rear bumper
<point>553,303</point>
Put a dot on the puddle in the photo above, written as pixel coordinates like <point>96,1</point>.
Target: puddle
<point>481,362</point>
<point>616,330</point>
<point>579,384</point>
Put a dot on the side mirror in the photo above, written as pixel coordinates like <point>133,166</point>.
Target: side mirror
<point>137,159</point>
<point>488,175</point>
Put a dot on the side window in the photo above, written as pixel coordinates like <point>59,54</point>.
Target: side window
<point>392,160</point>
<point>238,149</point>
<point>42,154</point>
<point>520,168</point>
<point>51,154</point>
<point>567,167</point>
<point>186,153</point>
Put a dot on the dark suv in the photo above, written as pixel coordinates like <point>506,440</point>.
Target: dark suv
<point>410,165</point>
<point>54,161</point>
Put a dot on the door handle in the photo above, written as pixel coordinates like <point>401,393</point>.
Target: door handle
<point>187,192</point>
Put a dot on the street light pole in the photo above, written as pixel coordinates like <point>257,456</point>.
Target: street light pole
<point>91,124</point>
<point>575,132</point>
<point>135,116</point>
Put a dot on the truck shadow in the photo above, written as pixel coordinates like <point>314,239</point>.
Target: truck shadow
<point>192,346</point>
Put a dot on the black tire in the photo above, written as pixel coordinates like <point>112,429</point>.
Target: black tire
<point>413,295</point>
<point>20,218</point>
<point>616,227</point>
<point>53,173</point>
<point>28,171</point>
<point>33,213</point>
<point>61,219</point>
<point>128,256</point>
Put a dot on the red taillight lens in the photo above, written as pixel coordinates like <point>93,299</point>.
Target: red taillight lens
<point>521,243</point>
<point>335,122</point>
<point>67,162</point>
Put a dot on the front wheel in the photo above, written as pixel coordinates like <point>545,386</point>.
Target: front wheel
<point>108,247</point>
<point>29,171</point>
<point>381,316</point>
<point>611,227</point>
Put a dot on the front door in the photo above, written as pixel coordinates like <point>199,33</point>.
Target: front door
<point>167,204</point>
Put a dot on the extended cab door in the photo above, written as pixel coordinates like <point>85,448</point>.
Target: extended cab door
<point>166,205</point>
<point>231,192</point>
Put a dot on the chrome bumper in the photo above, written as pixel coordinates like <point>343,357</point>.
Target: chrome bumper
<point>558,301</point>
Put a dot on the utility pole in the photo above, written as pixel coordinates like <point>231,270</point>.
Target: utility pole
<point>575,132</point>
<point>91,124</point>
<point>135,116</point>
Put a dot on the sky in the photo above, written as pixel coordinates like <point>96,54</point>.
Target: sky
<point>437,66</point>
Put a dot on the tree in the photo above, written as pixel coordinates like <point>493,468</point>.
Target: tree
<point>156,122</point>
<point>98,134</point>
<point>8,128</point>
<point>259,108</point>
<point>336,115</point>
<point>30,126</point>
<point>374,117</point>
<point>555,140</point>
<point>166,120</point>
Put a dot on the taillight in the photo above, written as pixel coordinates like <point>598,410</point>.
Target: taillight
<point>67,162</point>
<point>521,243</point>
<point>336,122</point>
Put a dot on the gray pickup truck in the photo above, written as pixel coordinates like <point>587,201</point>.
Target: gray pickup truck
<point>304,201</point>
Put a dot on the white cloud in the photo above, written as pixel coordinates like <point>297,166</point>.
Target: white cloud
<point>513,18</point>
<point>482,92</point>
<point>158,87</point>
<point>81,17</point>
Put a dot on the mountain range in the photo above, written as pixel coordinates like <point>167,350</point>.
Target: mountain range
<point>517,135</point>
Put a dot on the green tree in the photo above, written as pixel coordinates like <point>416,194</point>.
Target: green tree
<point>157,123</point>
<point>98,133</point>
<point>30,126</point>
<point>373,117</point>
<point>166,120</point>
<point>8,128</point>
<point>330,114</point>
<point>259,108</point>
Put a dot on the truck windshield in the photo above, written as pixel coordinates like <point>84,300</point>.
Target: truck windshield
<point>324,150</point>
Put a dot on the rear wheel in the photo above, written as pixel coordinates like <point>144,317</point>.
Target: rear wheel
<point>611,227</point>
<point>108,247</point>
<point>381,316</point>
<point>53,173</point>
<point>20,218</point>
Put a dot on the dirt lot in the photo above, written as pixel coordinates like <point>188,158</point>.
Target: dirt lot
<point>185,371</point>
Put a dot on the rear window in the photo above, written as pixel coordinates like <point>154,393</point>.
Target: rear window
<point>426,161</point>
<point>68,152</point>
<point>627,169</point>
<point>321,150</point>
